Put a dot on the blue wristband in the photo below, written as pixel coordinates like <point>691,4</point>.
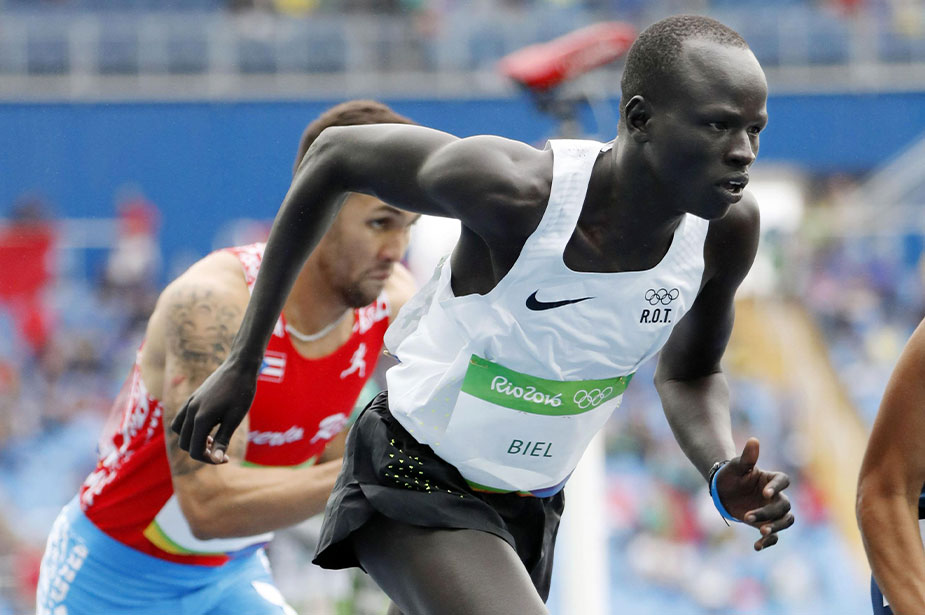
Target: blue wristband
<point>716,501</point>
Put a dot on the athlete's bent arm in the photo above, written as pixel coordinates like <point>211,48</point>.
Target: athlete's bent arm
<point>693,389</point>
<point>480,181</point>
<point>891,479</point>
<point>196,318</point>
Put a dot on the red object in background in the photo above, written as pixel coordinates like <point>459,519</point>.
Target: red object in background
<point>25,269</point>
<point>848,7</point>
<point>27,562</point>
<point>24,259</point>
<point>138,216</point>
<point>684,526</point>
<point>546,65</point>
<point>811,502</point>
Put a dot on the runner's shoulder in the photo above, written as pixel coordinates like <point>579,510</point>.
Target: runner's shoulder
<point>217,279</point>
<point>732,241</point>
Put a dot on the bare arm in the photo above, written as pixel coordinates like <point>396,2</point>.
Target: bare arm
<point>197,318</point>
<point>411,167</point>
<point>689,378</point>
<point>891,479</point>
<point>693,389</point>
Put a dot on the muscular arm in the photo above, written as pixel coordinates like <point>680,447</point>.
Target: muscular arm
<point>693,389</point>
<point>689,379</point>
<point>197,317</point>
<point>411,167</point>
<point>890,482</point>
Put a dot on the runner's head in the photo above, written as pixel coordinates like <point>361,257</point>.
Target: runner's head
<point>694,100</point>
<point>350,113</point>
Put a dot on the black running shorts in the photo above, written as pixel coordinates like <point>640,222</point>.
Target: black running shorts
<point>387,471</point>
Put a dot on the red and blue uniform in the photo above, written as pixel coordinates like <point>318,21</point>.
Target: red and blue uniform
<point>300,405</point>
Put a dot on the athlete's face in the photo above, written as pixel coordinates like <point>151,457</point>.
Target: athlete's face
<point>357,254</point>
<point>705,126</point>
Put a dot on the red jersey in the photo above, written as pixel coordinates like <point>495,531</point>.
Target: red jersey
<point>300,405</point>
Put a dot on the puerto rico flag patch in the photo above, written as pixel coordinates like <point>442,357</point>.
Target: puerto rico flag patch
<point>273,367</point>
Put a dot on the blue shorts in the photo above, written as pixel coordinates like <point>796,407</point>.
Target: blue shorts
<point>877,600</point>
<point>84,571</point>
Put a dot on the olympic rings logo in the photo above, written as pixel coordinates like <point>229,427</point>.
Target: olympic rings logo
<point>662,295</point>
<point>591,399</point>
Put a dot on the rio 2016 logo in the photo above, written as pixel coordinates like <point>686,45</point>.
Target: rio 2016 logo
<point>528,393</point>
<point>591,399</point>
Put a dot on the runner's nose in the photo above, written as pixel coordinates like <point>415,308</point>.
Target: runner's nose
<point>742,152</point>
<point>393,247</point>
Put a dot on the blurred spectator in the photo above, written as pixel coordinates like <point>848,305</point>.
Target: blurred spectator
<point>134,264</point>
<point>30,209</point>
<point>26,244</point>
<point>61,341</point>
<point>135,261</point>
<point>865,288</point>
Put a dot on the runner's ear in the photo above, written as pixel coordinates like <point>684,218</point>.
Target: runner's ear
<point>638,113</point>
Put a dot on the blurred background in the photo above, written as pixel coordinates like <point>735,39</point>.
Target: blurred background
<point>138,135</point>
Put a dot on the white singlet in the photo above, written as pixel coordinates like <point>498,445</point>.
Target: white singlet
<point>511,386</point>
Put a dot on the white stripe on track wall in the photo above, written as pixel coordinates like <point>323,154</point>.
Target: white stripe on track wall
<point>583,567</point>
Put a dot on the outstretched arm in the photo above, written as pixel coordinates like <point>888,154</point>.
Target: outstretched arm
<point>693,389</point>
<point>411,167</point>
<point>196,318</point>
<point>891,479</point>
<point>391,156</point>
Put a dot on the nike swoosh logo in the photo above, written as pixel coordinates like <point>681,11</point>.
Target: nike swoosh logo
<point>536,305</point>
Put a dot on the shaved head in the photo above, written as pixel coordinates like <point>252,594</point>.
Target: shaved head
<point>653,60</point>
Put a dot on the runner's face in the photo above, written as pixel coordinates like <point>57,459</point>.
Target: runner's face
<point>706,126</point>
<point>363,244</point>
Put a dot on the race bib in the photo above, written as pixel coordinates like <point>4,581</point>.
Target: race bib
<point>511,431</point>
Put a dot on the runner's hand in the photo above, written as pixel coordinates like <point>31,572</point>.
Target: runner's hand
<point>755,496</point>
<point>222,400</point>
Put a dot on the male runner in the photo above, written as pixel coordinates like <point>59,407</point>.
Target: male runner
<point>575,264</point>
<point>153,531</point>
<point>890,500</point>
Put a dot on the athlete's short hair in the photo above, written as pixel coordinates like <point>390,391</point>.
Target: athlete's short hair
<point>653,57</point>
<point>350,113</point>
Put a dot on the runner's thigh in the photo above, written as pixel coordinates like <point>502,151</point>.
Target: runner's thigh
<point>428,571</point>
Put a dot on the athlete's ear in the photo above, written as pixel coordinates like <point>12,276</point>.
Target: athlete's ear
<point>638,112</point>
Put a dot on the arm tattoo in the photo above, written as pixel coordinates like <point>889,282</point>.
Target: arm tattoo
<point>200,329</point>
<point>181,463</point>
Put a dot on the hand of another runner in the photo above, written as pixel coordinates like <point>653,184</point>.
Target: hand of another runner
<point>221,401</point>
<point>755,496</point>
